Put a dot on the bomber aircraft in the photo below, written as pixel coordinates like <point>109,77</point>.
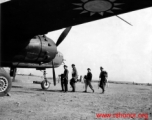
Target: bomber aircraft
<point>40,53</point>
<point>24,24</point>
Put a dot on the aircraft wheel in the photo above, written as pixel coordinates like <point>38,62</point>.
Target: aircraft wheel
<point>45,85</point>
<point>5,83</point>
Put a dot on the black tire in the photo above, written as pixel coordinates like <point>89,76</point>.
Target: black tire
<point>45,85</point>
<point>5,83</point>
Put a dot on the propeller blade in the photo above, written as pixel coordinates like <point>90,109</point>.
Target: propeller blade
<point>63,35</point>
<point>54,77</point>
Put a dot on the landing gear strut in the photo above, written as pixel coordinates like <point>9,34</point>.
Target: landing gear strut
<point>13,73</point>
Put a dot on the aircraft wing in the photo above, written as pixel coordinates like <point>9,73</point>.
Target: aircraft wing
<point>33,17</point>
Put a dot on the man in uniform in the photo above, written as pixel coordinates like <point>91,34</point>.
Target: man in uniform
<point>65,79</point>
<point>62,82</point>
<point>88,80</point>
<point>103,79</point>
<point>74,77</point>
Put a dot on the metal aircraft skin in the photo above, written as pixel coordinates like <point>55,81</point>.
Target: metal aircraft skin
<point>58,60</point>
<point>24,24</point>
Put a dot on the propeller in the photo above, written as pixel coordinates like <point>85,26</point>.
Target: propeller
<point>54,77</point>
<point>60,39</point>
<point>63,35</point>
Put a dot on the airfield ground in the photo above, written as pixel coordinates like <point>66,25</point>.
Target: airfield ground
<point>29,102</point>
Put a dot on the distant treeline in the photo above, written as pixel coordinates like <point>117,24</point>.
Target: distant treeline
<point>33,75</point>
<point>129,83</point>
<point>109,81</point>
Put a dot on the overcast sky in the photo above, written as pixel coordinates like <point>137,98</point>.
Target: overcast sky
<point>124,51</point>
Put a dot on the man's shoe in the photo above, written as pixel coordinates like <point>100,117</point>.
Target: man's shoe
<point>85,91</point>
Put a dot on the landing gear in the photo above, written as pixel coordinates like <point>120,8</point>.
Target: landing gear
<point>13,73</point>
<point>45,84</point>
<point>5,82</point>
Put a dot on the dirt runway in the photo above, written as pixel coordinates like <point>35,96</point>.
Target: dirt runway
<point>29,102</point>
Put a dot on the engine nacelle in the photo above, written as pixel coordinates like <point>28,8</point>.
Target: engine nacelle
<point>39,50</point>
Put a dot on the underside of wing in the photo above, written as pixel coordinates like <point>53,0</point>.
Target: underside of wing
<point>33,17</point>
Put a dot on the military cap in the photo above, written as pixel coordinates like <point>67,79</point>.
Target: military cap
<point>88,69</point>
<point>73,64</point>
<point>101,67</point>
<point>65,66</point>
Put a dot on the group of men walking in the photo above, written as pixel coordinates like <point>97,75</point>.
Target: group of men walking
<point>87,79</point>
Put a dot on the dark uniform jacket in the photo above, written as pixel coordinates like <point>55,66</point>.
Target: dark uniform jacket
<point>62,77</point>
<point>66,74</point>
<point>103,75</point>
<point>89,76</point>
<point>74,73</point>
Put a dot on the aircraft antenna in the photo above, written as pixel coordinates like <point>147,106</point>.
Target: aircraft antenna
<point>124,20</point>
